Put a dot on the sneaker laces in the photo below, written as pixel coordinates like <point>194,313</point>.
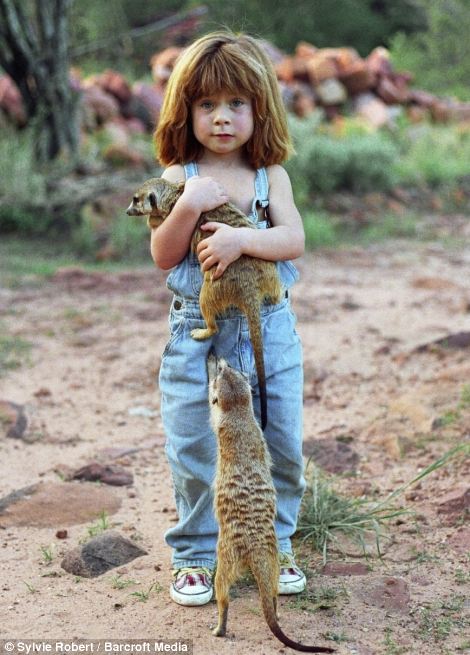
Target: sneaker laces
<point>201,571</point>
<point>287,561</point>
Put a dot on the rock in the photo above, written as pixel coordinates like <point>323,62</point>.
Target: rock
<point>456,341</point>
<point>390,594</point>
<point>455,506</point>
<point>332,455</point>
<point>11,101</point>
<point>56,505</point>
<point>373,110</point>
<point>391,92</point>
<point>123,155</point>
<point>101,554</point>
<point>113,475</point>
<point>345,568</point>
<point>460,541</point>
<point>98,106</point>
<point>378,62</point>
<point>115,84</point>
<point>162,63</point>
<point>13,420</point>
<point>331,92</point>
<point>358,78</point>
<point>151,96</point>
<point>431,283</point>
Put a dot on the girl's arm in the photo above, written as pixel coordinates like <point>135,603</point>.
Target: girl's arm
<point>285,240</point>
<point>170,242</point>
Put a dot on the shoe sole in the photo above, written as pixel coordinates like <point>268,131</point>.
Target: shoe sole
<point>191,599</point>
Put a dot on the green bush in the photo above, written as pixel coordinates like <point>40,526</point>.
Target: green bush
<point>326,162</point>
<point>433,155</point>
<point>438,56</point>
<point>21,185</point>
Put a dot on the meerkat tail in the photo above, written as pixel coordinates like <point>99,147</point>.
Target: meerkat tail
<point>268,604</point>
<point>254,325</point>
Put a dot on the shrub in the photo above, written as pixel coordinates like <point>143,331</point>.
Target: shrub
<point>326,162</point>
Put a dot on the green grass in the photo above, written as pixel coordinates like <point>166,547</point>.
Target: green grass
<point>14,351</point>
<point>325,515</point>
<point>33,260</point>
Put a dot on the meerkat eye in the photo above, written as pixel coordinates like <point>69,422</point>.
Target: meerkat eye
<point>215,401</point>
<point>152,199</point>
<point>135,199</point>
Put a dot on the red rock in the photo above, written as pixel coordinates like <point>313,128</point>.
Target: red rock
<point>151,97</point>
<point>115,84</point>
<point>113,475</point>
<point>122,155</point>
<point>321,67</point>
<point>358,77</point>
<point>13,419</point>
<point>390,92</point>
<point>98,106</point>
<point>345,568</point>
<point>162,63</point>
<point>11,101</point>
<point>305,50</point>
<point>460,541</point>
<point>378,61</point>
<point>422,98</point>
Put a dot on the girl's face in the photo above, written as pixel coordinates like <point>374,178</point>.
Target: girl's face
<point>223,123</point>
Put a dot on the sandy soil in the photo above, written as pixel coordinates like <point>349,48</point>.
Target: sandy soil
<point>89,392</point>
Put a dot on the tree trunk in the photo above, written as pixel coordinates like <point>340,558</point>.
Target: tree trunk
<point>34,52</point>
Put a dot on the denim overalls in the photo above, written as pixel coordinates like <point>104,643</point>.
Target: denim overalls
<point>190,442</point>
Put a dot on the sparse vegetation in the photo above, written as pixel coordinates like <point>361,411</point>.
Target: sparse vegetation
<point>14,351</point>
<point>100,526</point>
<point>325,515</point>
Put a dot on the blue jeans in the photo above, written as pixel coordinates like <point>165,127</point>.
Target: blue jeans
<point>191,444</point>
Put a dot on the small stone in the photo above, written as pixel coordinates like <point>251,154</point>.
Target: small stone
<point>13,419</point>
<point>108,474</point>
<point>101,554</point>
<point>345,568</point>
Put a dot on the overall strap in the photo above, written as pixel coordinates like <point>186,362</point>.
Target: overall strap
<point>261,198</point>
<point>190,170</point>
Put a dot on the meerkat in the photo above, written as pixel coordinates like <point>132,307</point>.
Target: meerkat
<point>246,283</point>
<point>244,499</point>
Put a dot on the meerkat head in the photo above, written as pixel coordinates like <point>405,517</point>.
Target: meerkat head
<point>155,198</point>
<point>228,387</point>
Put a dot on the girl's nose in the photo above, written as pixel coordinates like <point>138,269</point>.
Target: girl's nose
<point>221,116</point>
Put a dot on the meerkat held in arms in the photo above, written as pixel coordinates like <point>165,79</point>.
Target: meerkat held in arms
<point>246,284</point>
<point>244,499</point>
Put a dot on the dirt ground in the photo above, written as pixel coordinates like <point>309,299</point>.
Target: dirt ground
<point>378,410</point>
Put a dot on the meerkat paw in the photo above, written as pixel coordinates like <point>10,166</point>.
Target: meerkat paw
<point>201,333</point>
<point>219,631</point>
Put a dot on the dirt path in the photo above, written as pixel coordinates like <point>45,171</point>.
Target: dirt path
<point>377,410</point>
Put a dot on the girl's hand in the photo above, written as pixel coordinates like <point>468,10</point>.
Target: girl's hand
<point>203,194</point>
<point>220,249</point>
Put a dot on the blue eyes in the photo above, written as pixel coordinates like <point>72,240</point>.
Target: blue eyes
<point>236,103</point>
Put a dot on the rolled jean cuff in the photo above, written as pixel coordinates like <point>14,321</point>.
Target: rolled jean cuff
<point>182,564</point>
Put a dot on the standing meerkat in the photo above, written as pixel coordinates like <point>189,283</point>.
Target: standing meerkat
<point>246,283</point>
<point>244,499</point>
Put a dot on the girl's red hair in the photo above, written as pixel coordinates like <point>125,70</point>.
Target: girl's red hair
<point>216,62</point>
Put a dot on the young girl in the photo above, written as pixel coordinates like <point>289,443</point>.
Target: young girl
<point>223,129</point>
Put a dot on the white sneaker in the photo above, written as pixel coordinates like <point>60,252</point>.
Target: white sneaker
<point>291,579</point>
<point>192,585</point>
